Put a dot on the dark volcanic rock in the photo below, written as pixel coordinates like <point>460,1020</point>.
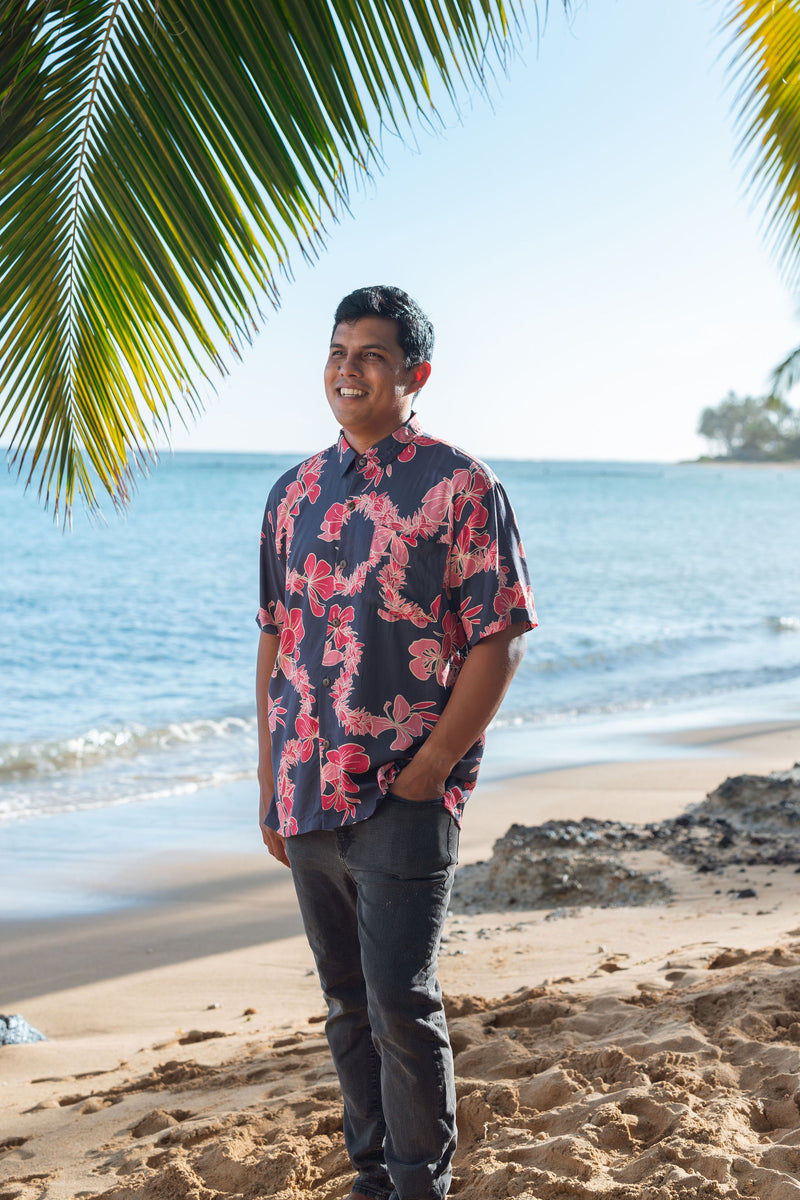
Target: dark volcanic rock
<point>750,819</point>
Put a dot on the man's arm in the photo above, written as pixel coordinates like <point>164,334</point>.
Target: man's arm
<point>476,697</point>
<point>268,644</point>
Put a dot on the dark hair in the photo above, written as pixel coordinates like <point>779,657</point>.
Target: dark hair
<point>414,329</point>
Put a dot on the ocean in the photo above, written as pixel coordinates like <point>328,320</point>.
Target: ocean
<point>668,595</point>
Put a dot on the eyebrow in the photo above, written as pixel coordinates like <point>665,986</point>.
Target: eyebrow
<point>367,346</point>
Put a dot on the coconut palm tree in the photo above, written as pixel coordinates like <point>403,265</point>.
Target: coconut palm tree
<point>162,161</point>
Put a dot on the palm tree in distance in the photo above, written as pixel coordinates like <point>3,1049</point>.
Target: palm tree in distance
<point>162,160</point>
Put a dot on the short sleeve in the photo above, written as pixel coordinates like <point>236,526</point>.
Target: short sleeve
<point>487,572</point>
<point>272,577</point>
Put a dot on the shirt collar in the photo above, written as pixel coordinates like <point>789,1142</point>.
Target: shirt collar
<point>384,451</point>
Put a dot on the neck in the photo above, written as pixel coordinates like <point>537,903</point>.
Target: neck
<point>362,440</point>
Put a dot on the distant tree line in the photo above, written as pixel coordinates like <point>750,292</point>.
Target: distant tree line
<point>752,429</point>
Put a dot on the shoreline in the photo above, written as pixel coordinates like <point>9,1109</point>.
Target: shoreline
<point>185,1047</point>
<point>173,906</point>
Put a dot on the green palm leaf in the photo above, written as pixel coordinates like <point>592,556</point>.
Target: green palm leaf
<point>766,68</point>
<point>161,160</point>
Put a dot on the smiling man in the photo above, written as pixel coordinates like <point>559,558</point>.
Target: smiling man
<point>394,597</point>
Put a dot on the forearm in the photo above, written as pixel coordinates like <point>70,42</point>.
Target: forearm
<point>268,645</point>
<point>476,697</point>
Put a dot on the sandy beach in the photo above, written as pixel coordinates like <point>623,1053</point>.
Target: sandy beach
<point>648,1049</point>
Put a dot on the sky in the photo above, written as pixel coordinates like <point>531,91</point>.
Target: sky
<point>585,245</point>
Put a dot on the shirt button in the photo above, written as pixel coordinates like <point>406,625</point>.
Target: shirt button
<point>342,564</point>
<point>335,622</point>
<point>362,461</point>
<point>324,744</point>
<point>350,505</point>
<point>326,681</point>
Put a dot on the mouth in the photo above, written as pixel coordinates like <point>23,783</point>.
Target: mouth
<point>350,393</point>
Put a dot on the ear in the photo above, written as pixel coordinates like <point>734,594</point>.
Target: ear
<point>417,377</point>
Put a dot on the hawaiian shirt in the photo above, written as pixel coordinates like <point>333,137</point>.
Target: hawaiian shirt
<point>378,571</point>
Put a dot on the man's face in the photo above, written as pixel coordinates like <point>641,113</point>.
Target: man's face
<point>367,383</point>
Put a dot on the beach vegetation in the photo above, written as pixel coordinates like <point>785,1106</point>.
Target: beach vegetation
<point>752,429</point>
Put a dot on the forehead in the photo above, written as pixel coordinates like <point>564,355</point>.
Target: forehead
<point>368,331</point>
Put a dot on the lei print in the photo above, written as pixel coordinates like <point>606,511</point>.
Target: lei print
<point>452,512</point>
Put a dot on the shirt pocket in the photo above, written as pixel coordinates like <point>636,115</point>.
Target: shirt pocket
<point>408,577</point>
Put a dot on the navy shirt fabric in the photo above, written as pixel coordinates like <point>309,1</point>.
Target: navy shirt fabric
<point>378,572</point>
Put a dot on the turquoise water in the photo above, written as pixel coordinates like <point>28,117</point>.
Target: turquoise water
<point>665,593</point>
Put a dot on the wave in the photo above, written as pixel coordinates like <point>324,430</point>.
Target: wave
<point>33,807</point>
<point>21,760</point>
<point>643,695</point>
<point>784,624</point>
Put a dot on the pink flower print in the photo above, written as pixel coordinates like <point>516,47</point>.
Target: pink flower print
<point>430,656</point>
<point>383,538</point>
<point>436,503</point>
<point>508,598</point>
<point>338,619</point>
<point>408,723</point>
<point>295,582</point>
<point>331,528</point>
<point>309,478</point>
<point>306,726</point>
<point>338,634</point>
<point>335,775</point>
<point>469,488</point>
<point>456,796</point>
<point>292,634</point>
<point>308,729</point>
<point>407,453</point>
<point>275,715</point>
<point>372,469</point>
<point>320,583</point>
<point>425,657</point>
<point>468,617</point>
<point>403,434</point>
<point>467,556</point>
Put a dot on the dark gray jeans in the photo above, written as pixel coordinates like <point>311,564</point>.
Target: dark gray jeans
<point>373,897</point>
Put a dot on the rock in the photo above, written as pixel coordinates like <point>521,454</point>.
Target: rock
<point>15,1031</point>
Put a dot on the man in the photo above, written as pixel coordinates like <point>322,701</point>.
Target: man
<point>394,597</point>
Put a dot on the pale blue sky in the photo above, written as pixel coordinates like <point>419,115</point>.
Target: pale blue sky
<point>587,252</point>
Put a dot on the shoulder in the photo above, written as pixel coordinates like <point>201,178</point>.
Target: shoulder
<point>453,458</point>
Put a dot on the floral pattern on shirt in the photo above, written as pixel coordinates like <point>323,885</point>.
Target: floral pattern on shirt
<point>378,572</point>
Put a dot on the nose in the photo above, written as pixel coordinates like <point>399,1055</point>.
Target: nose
<point>349,365</point>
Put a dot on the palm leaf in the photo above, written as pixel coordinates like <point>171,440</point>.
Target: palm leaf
<point>161,162</point>
<point>766,70</point>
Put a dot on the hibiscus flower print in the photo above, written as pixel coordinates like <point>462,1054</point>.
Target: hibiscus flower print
<point>319,581</point>
<point>339,790</point>
<point>292,634</point>
<point>409,723</point>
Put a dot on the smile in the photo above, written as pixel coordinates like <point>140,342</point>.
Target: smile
<point>351,392</point>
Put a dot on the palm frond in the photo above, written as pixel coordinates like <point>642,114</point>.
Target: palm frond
<point>162,161</point>
<point>786,375</point>
<point>766,69</point>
